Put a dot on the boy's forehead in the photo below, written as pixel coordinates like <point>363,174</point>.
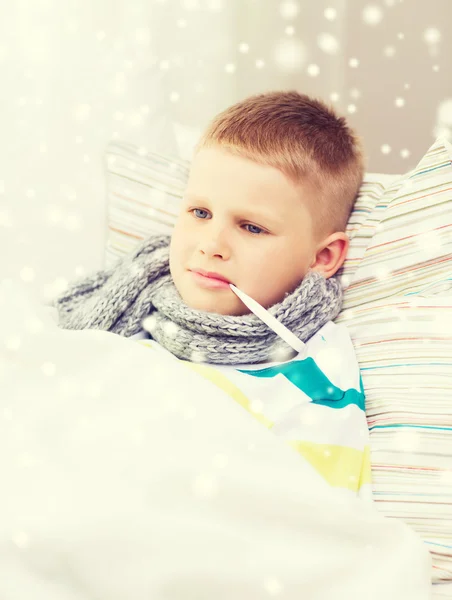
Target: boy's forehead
<point>213,168</point>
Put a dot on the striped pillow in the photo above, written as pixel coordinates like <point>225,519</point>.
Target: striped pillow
<point>144,191</point>
<point>398,309</point>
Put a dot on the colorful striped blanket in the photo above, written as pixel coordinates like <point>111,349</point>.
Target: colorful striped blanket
<point>315,402</point>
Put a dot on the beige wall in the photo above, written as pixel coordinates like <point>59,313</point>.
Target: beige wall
<point>199,38</point>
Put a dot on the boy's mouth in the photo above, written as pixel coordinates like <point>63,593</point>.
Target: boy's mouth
<point>210,279</point>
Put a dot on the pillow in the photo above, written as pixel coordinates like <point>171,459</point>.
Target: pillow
<point>397,308</point>
<point>144,191</point>
<point>364,220</point>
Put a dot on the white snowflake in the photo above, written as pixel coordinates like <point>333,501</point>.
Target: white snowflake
<point>205,486</point>
<point>149,323</point>
<point>382,272</point>
<point>244,48</point>
<point>351,108</point>
<point>330,13</point>
<point>190,4</point>
<point>289,9</point>
<point>280,352</point>
<point>256,406</point>
<point>327,43</point>
<point>290,54</point>
<point>171,329</point>
<point>444,113</point>
<point>313,70</point>
<point>372,14</point>
<point>432,35</point>
<point>5,219</point>
<point>21,539</point>
<point>389,51</point>
<point>385,148</point>
<point>273,586</point>
<point>197,356</point>
<point>399,102</point>
<point>13,342</point>
<point>215,5</point>
<point>82,112</point>
<point>353,63</point>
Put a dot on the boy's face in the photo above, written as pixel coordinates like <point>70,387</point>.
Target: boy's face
<point>245,222</point>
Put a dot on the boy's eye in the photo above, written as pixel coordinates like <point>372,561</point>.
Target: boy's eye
<point>254,229</point>
<point>200,213</point>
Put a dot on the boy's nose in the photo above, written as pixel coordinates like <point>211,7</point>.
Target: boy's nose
<point>215,245</point>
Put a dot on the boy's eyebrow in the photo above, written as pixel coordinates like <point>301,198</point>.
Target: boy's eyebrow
<point>256,213</point>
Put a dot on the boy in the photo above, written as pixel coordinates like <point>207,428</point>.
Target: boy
<point>263,218</point>
<point>270,191</point>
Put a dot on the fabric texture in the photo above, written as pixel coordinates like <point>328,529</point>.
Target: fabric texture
<point>140,288</point>
<point>400,254</point>
<point>127,476</point>
<point>398,309</point>
<point>314,402</point>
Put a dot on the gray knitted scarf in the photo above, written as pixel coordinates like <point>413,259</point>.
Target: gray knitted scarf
<point>138,294</point>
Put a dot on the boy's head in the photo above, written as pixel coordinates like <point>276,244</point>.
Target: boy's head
<point>271,187</point>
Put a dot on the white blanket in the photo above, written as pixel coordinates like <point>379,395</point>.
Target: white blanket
<point>130,478</point>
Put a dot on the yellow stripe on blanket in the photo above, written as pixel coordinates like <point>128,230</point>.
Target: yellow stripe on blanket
<point>227,386</point>
<point>339,465</point>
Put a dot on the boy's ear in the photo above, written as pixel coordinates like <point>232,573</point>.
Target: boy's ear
<point>330,254</point>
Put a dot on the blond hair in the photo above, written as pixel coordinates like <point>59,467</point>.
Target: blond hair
<point>302,137</point>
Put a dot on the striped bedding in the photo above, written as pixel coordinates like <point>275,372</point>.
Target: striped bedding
<point>397,307</point>
<point>314,402</point>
